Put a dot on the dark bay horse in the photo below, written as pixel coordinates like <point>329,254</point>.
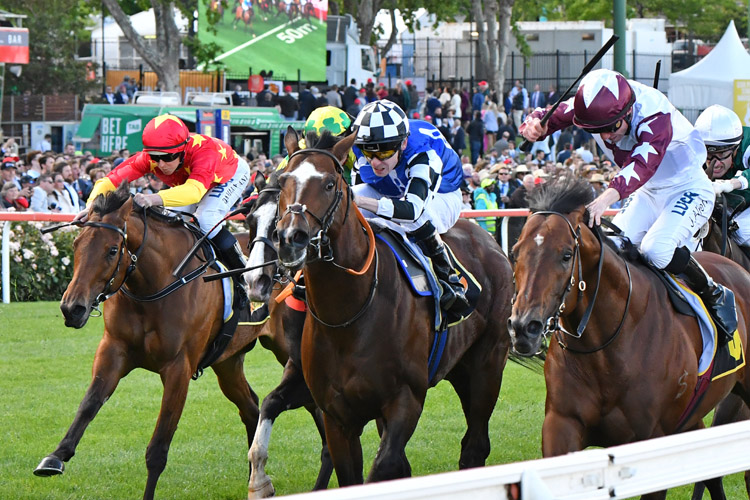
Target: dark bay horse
<point>630,367</point>
<point>120,249</point>
<point>367,337</point>
<point>284,339</point>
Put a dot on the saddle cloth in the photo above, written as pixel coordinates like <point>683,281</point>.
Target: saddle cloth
<point>418,271</point>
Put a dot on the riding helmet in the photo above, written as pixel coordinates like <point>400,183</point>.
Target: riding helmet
<point>382,126</point>
<point>329,118</point>
<point>603,97</point>
<point>165,133</point>
<point>719,127</point>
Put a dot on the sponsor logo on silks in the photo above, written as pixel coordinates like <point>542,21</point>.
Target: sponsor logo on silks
<point>698,217</point>
<point>682,205</point>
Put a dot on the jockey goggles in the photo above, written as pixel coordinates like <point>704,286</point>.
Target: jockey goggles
<point>158,156</point>
<point>607,129</point>
<point>381,151</point>
<point>380,155</point>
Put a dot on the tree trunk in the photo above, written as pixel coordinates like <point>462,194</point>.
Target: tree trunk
<point>483,52</point>
<point>490,8</point>
<point>394,33</point>
<point>503,45</point>
<point>164,61</point>
<point>366,12</point>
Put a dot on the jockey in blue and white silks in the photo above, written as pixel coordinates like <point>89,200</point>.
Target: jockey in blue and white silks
<point>410,175</point>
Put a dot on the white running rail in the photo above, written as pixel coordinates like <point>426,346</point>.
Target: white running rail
<point>619,472</point>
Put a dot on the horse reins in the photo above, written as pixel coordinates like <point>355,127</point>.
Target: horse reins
<point>322,243</point>
<point>553,324</point>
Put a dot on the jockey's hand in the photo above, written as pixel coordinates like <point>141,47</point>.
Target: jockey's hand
<point>602,202</point>
<point>366,203</point>
<point>148,200</point>
<point>81,217</point>
<point>722,186</point>
<point>531,129</point>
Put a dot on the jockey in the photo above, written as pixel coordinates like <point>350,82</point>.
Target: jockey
<point>728,145</point>
<point>335,121</point>
<point>661,156</point>
<point>411,175</point>
<point>205,177</point>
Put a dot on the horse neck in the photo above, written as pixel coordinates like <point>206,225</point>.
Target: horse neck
<point>164,248</point>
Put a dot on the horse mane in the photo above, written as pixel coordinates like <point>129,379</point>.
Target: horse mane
<point>563,194</point>
<point>325,140</point>
<point>109,202</point>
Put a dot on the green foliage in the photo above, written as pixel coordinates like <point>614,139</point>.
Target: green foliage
<point>40,264</point>
<point>56,29</point>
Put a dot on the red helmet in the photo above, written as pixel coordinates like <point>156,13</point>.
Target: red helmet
<point>165,133</point>
<point>603,97</point>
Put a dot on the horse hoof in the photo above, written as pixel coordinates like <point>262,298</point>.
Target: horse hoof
<point>49,466</point>
<point>266,490</point>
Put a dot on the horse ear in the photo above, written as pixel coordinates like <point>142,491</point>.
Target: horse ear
<point>342,148</point>
<point>291,140</point>
<point>579,216</point>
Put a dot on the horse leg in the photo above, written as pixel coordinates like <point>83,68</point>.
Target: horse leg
<point>561,435</point>
<point>400,418</point>
<point>477,390</point>
<point>175,380</point>
<point>291,393</point>
<point>235,387</point>
<point>346,452</point>
<point>111,363</point>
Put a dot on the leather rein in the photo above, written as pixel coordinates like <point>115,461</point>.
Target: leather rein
<point>553,324</point>
<point>321,243</point>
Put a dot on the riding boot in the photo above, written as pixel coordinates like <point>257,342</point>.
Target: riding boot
<point>231,256</point>
<point>454,294</point>
<point>718,299</point>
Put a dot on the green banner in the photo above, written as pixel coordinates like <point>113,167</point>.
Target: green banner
<point>282,36</point>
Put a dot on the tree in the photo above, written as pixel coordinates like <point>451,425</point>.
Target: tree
<point>56,28</point>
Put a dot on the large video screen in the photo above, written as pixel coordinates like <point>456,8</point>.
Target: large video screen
<point>282,36</point>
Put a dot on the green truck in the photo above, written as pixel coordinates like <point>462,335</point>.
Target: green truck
<point>105,129</point>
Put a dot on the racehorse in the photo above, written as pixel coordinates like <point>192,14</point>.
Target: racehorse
<point>623,365</point>
<point>218,7</point>
<point>367,337</point>
<point>243,12</point>
<point>718,240</point>
<point>308,10</point>
<point>286,329</point>
<point>126,255</point>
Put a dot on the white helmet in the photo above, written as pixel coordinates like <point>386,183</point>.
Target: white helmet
<point>720,128</point>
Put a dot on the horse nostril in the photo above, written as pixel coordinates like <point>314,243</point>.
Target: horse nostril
<point>534,328</point>
<point>511,330</point>
<point>299,239</point>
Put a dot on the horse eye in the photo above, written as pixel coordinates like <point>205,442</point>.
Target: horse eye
<point>567,255</point>
<point>330,186</point>
<point>113,251</point>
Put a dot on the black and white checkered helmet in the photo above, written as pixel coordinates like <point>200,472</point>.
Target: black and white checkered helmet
<point>381,122</point>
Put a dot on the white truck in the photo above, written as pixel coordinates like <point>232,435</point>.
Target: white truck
<point>346,58</point>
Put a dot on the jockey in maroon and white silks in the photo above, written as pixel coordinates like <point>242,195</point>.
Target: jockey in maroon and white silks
<point>661,157</point>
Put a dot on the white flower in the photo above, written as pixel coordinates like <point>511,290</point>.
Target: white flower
<point>54,252</point>
<point>28,254</point>
<point>14,246</point>
<point>65,260</point>
<point>52,270</point>
<point>33,266</point>
<point>18,259</point>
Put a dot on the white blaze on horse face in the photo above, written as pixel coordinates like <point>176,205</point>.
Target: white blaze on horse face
<point>265,217</point>
<point>304,173</point>
<point>539,239</point>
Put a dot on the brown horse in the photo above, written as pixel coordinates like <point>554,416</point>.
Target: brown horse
<point>285,328</point>
<point>628,370</point>
<point>244,15</point>
<point>122,250</point>
<point>367,336</point>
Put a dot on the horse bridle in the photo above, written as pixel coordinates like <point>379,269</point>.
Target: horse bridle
<point>265,240</point>
<point>322,243</point>
<point>553,325</point>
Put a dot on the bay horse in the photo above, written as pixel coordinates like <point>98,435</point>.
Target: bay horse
<point>123,250</point>
<point>244,15</point>
<point>367,336</point>
<point>285,327</point>
<point>628,370</point>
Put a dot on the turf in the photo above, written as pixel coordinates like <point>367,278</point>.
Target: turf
<point>45,370</point>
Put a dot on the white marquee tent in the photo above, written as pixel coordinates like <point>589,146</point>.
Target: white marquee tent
<point>711,80</point>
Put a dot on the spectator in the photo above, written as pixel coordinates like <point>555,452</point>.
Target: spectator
<point>396,95</point>
<point>519,98</point>
<point>306,103</point>
<point>59,200</point>
<point>486,199</point>
<point>552,95</point>
<point>455,104</point>
<point>413,97</point>
<point>320,100</point>
<point>121,96</point>
<point>490,124</point>
<point>432,104</point>
<point>108,96</point>
<point>350,93</point>
<point>46,144</point>
<point>505,187</point>
<point>40,194</point>
<point>355,107</point>
<point>382,92</point>
<point>237,99</point>
<point>598,184</point>
<point>477,100</point>
<point>538,99</point>
<point>288,104</point>
<point>10,197</point>
<point>476,136</point>
<point>8,172</point>
<point>458,136</point>
<point>333,98</point>
<point>518,198</point>
<point>68,190</point>
<point>10,147</point>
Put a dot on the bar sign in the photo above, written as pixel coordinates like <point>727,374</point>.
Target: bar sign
<point>14,45</point>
